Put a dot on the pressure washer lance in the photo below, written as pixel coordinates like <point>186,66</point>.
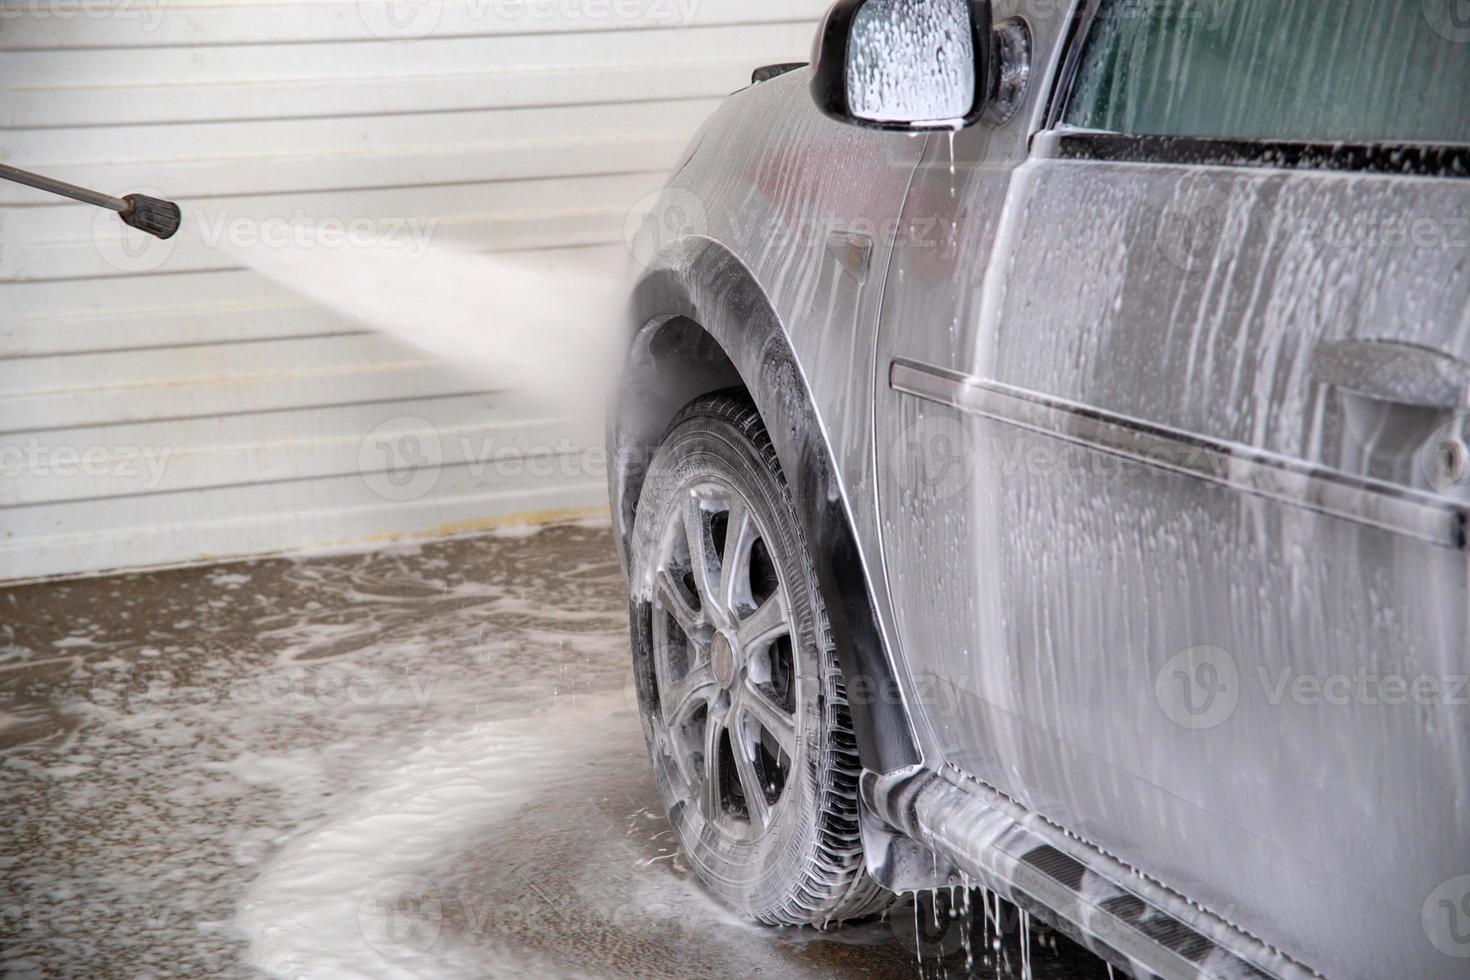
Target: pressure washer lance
<point>157,218</point>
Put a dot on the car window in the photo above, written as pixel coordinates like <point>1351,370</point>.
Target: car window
<point>1302,70</point>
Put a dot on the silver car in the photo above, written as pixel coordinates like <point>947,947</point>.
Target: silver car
<point>1042,465</point>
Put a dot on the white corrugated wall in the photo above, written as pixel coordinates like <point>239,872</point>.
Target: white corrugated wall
<point>163,405</point>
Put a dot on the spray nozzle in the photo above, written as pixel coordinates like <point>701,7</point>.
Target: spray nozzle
<point>157,217</point>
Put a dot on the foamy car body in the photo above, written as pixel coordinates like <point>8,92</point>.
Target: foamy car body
<point>1132,469</point>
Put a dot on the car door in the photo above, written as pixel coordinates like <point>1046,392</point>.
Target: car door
<point>1171,464</point>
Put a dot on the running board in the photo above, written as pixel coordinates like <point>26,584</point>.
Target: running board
<point>1099,902</point>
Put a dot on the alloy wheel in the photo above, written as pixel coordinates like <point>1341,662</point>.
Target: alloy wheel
<point>727,679</point>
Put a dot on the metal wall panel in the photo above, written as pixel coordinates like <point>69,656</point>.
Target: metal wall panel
<point>172,406</point>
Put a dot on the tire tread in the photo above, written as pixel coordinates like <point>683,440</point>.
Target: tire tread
<point>834,886</point>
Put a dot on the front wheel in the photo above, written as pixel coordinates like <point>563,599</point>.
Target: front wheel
<point>739,689</point>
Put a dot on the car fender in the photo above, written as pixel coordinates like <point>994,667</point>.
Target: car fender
<point>700,288</point>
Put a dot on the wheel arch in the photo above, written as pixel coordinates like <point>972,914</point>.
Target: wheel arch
<point>700,323</point>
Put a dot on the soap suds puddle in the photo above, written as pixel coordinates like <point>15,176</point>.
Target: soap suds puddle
<point>419,762</point>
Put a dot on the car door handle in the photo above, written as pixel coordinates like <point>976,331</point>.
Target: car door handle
<point>1395,372</point>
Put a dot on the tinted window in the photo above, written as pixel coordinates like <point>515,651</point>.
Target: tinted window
<point>1328,70</point>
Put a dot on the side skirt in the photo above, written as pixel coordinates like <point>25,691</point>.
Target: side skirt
<point>1131,921</point>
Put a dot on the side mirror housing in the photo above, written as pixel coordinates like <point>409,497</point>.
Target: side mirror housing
<point>908,65</point>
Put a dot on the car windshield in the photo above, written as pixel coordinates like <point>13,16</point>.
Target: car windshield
<point>1341,71</point>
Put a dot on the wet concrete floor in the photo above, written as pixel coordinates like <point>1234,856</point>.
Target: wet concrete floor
<point>423,761</point>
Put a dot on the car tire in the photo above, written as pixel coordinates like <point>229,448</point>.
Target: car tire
<point>740,693</point>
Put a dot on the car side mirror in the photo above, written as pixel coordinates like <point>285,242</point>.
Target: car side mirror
<point>911,65</point>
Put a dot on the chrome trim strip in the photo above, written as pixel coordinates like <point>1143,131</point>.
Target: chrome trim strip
<point>1403,511</point>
